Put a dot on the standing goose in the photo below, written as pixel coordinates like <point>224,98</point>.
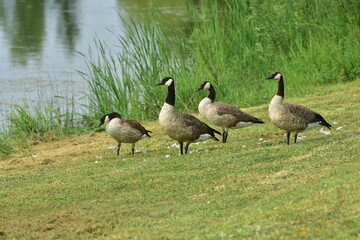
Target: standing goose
<point>123,130</point>
<point>290,117</point>
<point>222,114</point>
<point>182,127</point>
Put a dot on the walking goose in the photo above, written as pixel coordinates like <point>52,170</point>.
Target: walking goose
<point>290,117</point>
<point>182,127</point>
<point>123,130</point>
<point>223,114</point>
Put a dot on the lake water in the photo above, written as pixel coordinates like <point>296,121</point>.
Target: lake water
<point>40,39</point>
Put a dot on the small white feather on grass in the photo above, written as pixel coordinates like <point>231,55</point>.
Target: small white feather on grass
<point>325,132</point>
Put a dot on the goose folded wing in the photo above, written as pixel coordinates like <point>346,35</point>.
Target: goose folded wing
<point>195,125</point>
<point>136,125</point>
<point>235,114</point>
<point>304,113</point>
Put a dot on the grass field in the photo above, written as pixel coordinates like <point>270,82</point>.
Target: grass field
<point>253,187</point>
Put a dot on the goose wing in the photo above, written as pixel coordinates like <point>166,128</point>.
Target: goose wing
<point>137,126</point>
<point>306,115</point>
<point>195,125</point>
<point>234,114</point>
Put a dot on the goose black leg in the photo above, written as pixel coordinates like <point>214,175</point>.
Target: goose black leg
<point>133,148</point>
<point>181,148</point>
<point>224,137</point>
<point>118,148</point>
<point>288,138</point>
<point>295,137</point>
<point>187,147</point>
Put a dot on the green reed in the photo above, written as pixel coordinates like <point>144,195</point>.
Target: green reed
<point>234,44</point>
<point>237,45</point>
<point>28,123</point>
<point>124,81</point>
<point>5,143</point>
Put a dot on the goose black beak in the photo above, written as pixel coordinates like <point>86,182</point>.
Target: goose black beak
<point>198,89</point>
<point>158,84</point>
<point>99,125</point>
<point>269,78</point>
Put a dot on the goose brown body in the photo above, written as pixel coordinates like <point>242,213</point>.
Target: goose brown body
<point>222,114</point>
<point>182,127</point>
<point>123,130</point>
<point>290,117</point>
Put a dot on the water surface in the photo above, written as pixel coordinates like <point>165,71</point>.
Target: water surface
<point>40,39</point>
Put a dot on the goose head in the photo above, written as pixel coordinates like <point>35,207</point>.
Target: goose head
<point>166,81</point>
<point>204,86</point>
<point>107,117</point>
<point>275,76</point>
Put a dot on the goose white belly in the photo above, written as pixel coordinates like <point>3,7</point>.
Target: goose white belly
<point>242,124</point>
<point>203,137</point>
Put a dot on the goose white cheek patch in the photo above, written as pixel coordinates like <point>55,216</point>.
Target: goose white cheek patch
<point>207,86</point>
<point>169,82</point>
<point>277,77</point>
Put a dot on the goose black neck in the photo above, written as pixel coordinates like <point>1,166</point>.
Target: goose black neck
<point>280,91</point>
<point>212,93</point>
<point>170,99</point>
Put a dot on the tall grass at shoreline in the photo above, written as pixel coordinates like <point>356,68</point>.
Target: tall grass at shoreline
<point>312,43</point>
<point>44,122</point>
<point>124,81</point>
<point>234,44</point>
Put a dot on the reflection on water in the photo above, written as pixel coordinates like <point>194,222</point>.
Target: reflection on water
<point>24,28</point>
<point>68,26</point>
<point>39,40</point>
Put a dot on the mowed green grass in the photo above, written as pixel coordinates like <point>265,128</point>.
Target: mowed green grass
<point>245,189</point>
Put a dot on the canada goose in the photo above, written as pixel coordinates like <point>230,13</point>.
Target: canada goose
<point>223,114</point>
<point>290,117</point>
<point>123,130</point>
<point>182,127</point>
